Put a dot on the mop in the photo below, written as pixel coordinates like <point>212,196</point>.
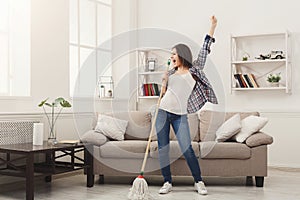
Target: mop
<point>139,189</point>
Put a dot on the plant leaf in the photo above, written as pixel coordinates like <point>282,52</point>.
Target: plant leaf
<point>57,101</point>
<point>65,104</point>
<point>43,102</point>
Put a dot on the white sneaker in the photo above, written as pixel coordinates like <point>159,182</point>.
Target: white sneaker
<point>166,188</point>
<point>200,187</point>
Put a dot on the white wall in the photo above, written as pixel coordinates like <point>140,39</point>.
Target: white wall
<point>49,48</point>
<point>241,17</point>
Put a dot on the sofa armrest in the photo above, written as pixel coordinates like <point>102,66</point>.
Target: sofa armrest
<point>258,139</point>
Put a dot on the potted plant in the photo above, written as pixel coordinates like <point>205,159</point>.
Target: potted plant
<point>274,79</point>
<point>109,93</point>
<point>246,56</point>
<point>53,116</point>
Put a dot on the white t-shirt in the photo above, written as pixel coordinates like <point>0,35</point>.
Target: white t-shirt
<point>176,97</point>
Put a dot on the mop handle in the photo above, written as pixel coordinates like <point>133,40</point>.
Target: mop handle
<point>151,133</point>
<point>153,124</point>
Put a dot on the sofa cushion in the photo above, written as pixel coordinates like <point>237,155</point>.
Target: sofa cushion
<point>111,127</point>
<point>224,150</point>
<point>258,139</point>
<point>94,137</point>
<point>193,125</point>
<point>229,128</point>
<point>210,121</point>
<point>139,124</point>
<point>250,125</point>
<point>175,151</point>
<point>123,149</point>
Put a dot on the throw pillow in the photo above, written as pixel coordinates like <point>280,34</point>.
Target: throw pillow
<point>250,125</point>
<point>258,139</point>
<point>94,137</point>
<point>229,128</point>
<point>111,127</point>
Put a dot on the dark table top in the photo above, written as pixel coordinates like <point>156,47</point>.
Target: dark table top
<point>29,147</point>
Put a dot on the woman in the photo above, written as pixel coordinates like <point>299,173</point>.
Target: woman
<point>185,89</point>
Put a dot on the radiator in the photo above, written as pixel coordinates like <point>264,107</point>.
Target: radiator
<point>14,132</point>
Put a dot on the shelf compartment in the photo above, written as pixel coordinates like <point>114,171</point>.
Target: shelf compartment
<point>259,61</point>
<point>259,88</point>
<point>151,73</point>
<point>259,35</point>
<point>148,97</point>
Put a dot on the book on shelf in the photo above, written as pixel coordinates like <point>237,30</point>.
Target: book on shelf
<point>239,81</point>
<point>243,81</point>
<point>246,80</point>
<point>150,89</point>
<point>69,141</point>
<point>145,89</point>
<point>252,78</point>
<point>156,89</point>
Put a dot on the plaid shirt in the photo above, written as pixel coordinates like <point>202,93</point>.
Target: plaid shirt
<point>203,90</point>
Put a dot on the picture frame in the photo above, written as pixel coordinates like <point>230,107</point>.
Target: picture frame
<point>151,62</point>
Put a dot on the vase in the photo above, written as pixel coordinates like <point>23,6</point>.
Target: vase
<point>52,135</point>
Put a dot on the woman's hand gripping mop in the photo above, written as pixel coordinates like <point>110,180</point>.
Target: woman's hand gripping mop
<point>139,189</point>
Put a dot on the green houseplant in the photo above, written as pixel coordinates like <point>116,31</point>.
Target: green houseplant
<point>274,79</point>
<point>52,117</point>
<point>246,56</point>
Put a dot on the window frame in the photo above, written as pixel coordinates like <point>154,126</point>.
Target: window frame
<point>79,46</point>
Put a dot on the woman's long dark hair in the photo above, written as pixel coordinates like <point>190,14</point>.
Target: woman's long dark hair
<point>184,54</point>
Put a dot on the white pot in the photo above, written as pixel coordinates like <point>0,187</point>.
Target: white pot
<point>274,84</point>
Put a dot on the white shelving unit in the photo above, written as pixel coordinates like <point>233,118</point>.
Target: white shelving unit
<point>253,46</point>
<point>105,87</point>
<point>145,76</point>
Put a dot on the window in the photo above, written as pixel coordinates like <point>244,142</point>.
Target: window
<point>15,48</point>
<point>90,30</point>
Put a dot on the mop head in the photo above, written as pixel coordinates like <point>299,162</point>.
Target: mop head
<point>139,189</point>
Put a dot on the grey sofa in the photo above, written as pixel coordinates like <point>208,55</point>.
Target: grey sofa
<point>225,159</point>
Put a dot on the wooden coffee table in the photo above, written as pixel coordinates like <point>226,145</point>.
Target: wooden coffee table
<point>49,167</point>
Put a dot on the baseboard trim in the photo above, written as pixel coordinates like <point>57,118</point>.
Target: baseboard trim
<point>285,169</point>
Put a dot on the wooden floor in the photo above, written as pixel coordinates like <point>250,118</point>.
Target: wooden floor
<point>281,184</point>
